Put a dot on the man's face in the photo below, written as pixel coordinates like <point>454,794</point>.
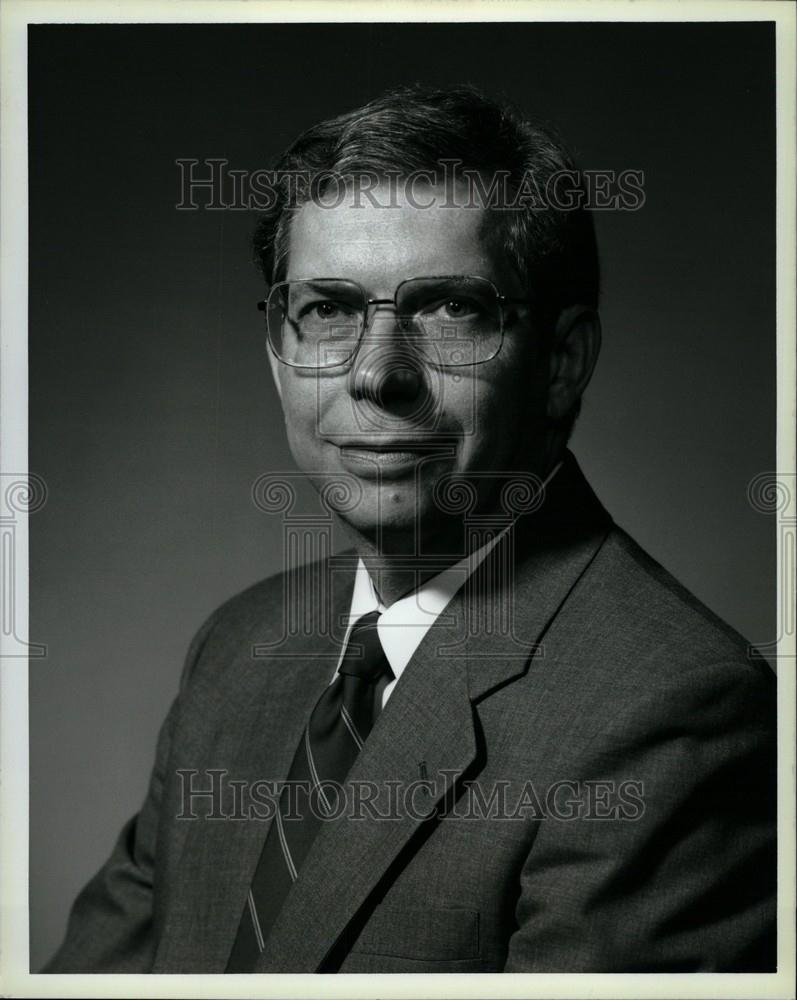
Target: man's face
<point>390,422</point>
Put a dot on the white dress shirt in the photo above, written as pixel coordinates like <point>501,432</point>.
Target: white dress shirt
<point>402,626</point>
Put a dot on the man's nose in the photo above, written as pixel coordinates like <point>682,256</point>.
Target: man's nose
<point>387,371</point>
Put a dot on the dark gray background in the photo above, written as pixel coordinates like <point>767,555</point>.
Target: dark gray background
<point>151,406</point>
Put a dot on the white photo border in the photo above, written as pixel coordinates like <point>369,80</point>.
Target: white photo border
<point>15,16</point>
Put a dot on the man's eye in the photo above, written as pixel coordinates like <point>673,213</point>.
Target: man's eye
<point>459,308</point>
<point>323,311</point>
<point>327,310</point>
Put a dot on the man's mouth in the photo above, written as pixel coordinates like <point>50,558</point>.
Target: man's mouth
<point>391,458</point>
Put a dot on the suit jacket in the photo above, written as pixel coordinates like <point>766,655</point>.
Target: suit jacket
<point>600,794</point>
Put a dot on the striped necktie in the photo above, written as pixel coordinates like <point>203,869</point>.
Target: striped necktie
<point>336,730</point>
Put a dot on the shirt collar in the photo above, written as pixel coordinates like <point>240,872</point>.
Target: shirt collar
<point>402,626</point>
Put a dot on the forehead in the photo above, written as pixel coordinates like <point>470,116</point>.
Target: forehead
<point>381,244</point>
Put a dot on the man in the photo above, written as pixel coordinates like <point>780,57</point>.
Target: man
<point>499,737</point>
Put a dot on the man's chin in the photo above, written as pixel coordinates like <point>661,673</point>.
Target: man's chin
<point>392,521</point>
<point>380,514</point>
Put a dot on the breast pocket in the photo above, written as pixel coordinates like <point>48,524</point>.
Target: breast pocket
<point>423,934</point>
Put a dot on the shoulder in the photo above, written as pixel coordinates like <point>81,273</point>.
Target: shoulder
<point>633,588</point>
<point>262,599</point>
<point>650,637</point>
<point>256,612</point>
<point>627,621</point>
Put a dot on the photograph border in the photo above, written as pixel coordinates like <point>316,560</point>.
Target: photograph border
<point>15,979</point>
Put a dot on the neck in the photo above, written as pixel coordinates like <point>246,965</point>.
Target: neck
<point>400,562</point>
<point>397,566</point>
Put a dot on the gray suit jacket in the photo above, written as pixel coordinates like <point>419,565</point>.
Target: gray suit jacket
<point>599,750</point>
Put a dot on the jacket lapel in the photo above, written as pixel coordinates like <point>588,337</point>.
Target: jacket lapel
<point>427,727</point>
<point>510,603</point>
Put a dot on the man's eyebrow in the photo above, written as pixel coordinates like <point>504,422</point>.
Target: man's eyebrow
<point>315,285</point>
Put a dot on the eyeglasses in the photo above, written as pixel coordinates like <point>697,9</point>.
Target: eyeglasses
<point>449,322</point>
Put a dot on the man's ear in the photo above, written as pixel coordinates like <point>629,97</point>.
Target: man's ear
<point>575,347</point>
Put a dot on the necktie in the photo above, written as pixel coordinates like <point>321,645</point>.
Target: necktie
<point>336,730</point>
